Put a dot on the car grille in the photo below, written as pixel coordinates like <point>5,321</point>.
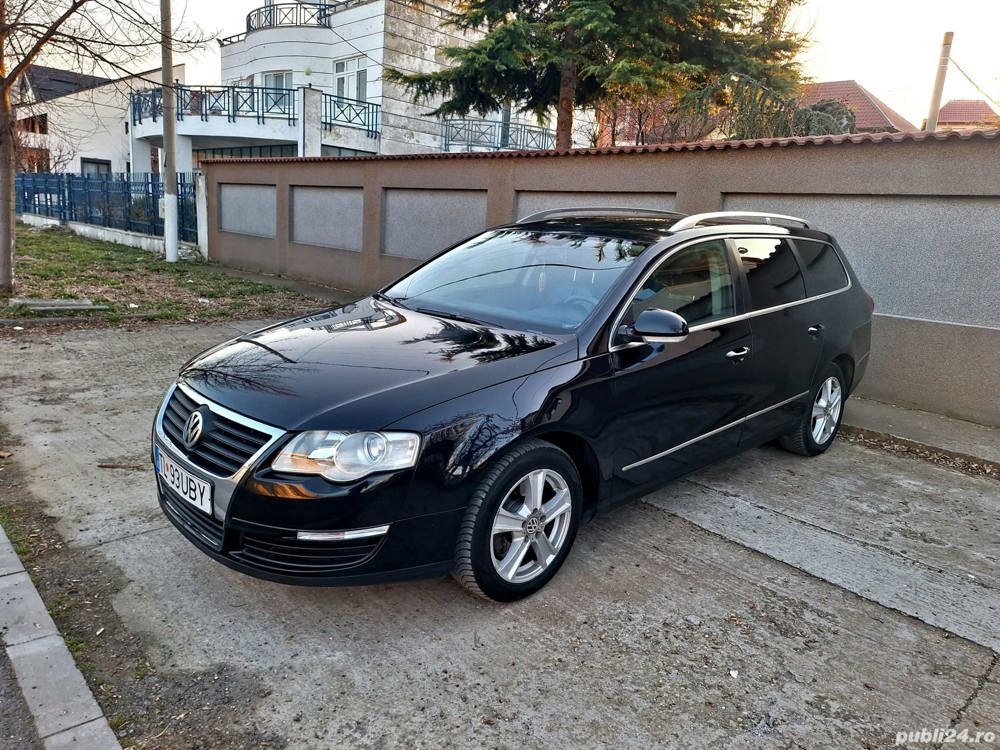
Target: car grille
<point>225,445</point>
<point>288,555</point>
<point>204,526</point>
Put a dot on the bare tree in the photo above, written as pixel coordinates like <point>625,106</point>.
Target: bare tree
<point>110,36</point>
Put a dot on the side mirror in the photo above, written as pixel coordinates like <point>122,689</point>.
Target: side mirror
<point>655,326</point>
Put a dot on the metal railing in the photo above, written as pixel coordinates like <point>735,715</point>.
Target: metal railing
<point>494,135</point>
<point>289,14</point>
<point>339,110</point>
<point>121,201</point>
<point>231,102</point>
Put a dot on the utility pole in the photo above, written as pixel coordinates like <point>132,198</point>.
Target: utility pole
<point>169,99</point>
<point>942,71</point>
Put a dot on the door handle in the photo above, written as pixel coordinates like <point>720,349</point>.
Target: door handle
<point>738,355</point>
<point>815,330</point>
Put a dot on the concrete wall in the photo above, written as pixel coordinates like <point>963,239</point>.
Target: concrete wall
<point>919,220</point>
<point>188,251</point>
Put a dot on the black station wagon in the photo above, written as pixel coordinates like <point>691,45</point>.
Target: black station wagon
<point>468,417</point>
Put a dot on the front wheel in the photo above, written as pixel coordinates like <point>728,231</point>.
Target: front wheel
<point>821,422</point>
<point>521,523</point>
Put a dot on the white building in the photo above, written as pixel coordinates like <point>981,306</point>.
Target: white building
<point>73,122</point>
<point>305,79</point>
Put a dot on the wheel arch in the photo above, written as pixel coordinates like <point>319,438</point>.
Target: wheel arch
<point>846,364</point>
<point>584,457</point>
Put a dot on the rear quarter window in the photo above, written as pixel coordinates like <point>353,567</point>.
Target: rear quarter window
<point>773,276</point>
<point>824,270</point>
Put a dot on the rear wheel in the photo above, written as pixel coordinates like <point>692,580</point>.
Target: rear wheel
<point>821,422</point>
<point>520,524</point>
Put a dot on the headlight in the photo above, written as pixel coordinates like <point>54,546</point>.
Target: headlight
<point>346,456</point>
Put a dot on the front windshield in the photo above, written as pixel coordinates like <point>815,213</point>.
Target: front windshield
<point>531,280</point>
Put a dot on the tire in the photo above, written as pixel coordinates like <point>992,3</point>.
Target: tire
<point>808,439</point>
<point>489,542</point>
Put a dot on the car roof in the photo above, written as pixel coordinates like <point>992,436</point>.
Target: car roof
<point>660,225</point>
<point>645,229</point>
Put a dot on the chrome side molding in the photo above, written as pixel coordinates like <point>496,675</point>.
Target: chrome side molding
<point>716,431</point>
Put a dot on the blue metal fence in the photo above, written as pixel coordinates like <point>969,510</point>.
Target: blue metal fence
<point>120,201</point>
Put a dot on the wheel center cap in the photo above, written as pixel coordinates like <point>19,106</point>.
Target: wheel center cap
<point>533,525</point>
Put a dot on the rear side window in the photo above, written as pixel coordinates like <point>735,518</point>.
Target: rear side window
<point>823,268</point>
<point>772,272</point>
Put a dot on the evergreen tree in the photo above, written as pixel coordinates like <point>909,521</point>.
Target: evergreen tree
<point>564,54</point>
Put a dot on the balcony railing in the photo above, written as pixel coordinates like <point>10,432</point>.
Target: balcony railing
<point>339,110</point>
<point>290,14</point>
<point>231,102</point>
<point>494,135</point>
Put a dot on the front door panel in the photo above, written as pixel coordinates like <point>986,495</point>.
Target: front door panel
<point>666,395</point>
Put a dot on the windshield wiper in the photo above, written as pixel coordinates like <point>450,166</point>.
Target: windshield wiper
<point>397,301</point>
<point>453,316</point>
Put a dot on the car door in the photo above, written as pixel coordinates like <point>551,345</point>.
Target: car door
<point>675,406</point>
<point>786,342</point>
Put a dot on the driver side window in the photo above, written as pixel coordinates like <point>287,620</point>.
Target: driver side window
<point>695,283</point>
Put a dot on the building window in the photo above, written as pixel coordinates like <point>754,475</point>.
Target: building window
<point>95,166</point>
<point>33,160</point>
<point>277,97</point>
<point>350,78</point>
<point>244,152</point>
<point>34,124</point>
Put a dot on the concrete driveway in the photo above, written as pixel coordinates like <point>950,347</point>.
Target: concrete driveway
<point>770,601</point>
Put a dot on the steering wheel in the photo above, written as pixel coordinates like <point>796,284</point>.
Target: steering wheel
<point>584,305</point>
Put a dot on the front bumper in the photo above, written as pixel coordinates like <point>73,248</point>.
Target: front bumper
<point>256,514</point>
<point>412,548</point>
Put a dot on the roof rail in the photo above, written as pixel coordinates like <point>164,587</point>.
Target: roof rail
<point>599,211</point>
<point>689,222</point>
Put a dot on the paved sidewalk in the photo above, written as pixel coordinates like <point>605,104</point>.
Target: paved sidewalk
<point>952,437</point>
<point>56,695</point>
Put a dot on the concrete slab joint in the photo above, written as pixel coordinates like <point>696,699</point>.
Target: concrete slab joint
<point>64,710</point>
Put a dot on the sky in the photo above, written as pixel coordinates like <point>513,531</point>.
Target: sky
<point>891,47</point>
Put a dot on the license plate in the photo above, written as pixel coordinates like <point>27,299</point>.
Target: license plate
<point>196,491</point>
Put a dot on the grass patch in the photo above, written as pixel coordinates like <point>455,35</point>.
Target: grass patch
<point>57,264</point>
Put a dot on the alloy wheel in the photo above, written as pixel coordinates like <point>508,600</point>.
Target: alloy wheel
<point>531,526</point>
<point>826,410</point>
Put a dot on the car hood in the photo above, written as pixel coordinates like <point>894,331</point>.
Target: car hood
<point>364,366</point>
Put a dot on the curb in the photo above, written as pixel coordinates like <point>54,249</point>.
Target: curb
<point>992,467</point>
<point>64,710</point>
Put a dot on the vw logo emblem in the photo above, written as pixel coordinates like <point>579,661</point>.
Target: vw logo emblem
<point>192,430</point>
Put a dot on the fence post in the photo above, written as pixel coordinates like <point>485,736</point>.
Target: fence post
<point>66,199</point>
<point>201,211</point>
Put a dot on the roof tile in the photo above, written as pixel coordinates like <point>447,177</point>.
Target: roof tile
<point>967,111</point>
<point>870,112</point>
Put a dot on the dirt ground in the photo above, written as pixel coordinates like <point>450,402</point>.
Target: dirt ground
<point>770,601</point>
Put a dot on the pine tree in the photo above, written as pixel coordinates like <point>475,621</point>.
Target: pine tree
<point>565,54</point>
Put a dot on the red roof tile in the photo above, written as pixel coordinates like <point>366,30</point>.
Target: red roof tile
<point>871,113</point>
<point>967,112</point>
<point>814,140</point>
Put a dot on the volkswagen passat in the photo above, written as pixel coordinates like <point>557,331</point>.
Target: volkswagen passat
<point>470,416</point>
